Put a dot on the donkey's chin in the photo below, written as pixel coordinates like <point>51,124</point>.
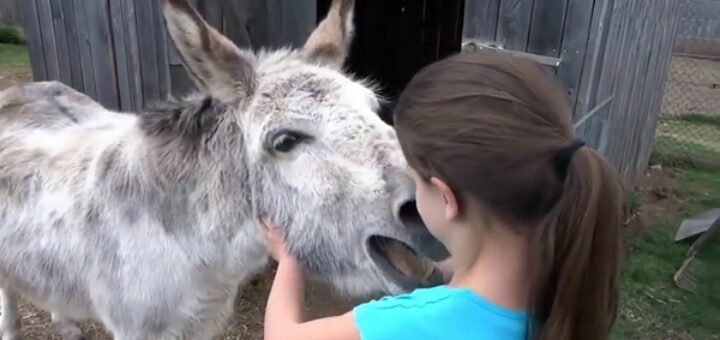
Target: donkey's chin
<point>402,264</point>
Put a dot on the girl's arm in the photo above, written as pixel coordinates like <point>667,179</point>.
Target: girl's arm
<point>283,314</point>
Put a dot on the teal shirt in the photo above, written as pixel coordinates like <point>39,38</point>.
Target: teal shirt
<point>440,313</point>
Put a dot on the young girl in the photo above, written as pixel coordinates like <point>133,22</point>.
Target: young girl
<point>530,216</point>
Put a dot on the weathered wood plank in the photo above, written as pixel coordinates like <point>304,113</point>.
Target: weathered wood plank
<point>103,56</point>
<point>61,42</point>
<point>646,31</point>
<point>636,84</point>
<point>73,45</point>
<point>212,12</point>
<point>300,19</point>
<point>47,30</point>
<point>117,17</point>
<point>161,40</point>
<point>514,24</point>
<point>181,84</point>
<point>481,19</point>
<point>597,131</point>
<point>592,70</point>
<point>133,55</point>
<point>235,16</point>
<point>617,151</point>
<point>31,25</point>
<point>277,23</point>
<point>150,75</point>
<point>174,58</point>
<point>546,30</point>
<point>85,50</point>
<point>575,37</point>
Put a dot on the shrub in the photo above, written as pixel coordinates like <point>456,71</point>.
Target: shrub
<point>11,35</point>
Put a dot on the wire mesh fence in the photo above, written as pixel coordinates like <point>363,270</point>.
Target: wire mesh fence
<point>689,125</point>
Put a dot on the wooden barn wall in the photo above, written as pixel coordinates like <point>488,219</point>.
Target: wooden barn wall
<point>634,67</point>
<point>614,54</point>
<point>551,28</point>
<point>614,57</point>
<point>118,52</point>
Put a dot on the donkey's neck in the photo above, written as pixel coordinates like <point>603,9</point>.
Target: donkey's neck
<point>182,187</point>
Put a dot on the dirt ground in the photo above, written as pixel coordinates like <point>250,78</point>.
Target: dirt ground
<point>10,76</point>
<point>656,191</point>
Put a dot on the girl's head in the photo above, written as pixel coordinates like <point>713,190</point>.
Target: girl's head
<point>493,134</point>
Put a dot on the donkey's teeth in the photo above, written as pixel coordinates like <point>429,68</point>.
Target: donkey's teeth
<point>407,261</point>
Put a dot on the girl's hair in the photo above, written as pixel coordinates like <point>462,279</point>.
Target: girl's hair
<point>499,130</point>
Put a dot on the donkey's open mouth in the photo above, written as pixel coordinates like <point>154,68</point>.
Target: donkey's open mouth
<point>410,266</point>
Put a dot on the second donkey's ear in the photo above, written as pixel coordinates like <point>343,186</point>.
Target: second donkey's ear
<point>330,42</point>
<point>215,64</point>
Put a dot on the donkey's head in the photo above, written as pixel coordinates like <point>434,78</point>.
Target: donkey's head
<point>320,162</point>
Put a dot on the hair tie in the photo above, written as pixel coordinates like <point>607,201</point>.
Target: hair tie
<point>563,157</point>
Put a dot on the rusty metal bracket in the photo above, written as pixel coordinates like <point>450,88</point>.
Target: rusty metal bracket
<point>470,46</point>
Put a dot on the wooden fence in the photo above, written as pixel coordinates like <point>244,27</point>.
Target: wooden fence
<point>9,11</point>
<point>612,56</point>
<point>699,31</point>
<point>118,52</point>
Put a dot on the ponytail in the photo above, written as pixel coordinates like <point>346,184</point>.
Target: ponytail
<point>575,255</point>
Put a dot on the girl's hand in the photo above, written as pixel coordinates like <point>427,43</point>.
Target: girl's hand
<point>275,242</point>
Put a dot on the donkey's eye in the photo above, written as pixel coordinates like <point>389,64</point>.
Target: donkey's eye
<point>286,141</point>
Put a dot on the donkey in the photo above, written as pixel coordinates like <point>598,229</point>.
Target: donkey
<point>148,222</point>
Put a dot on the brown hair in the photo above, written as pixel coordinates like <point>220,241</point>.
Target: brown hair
<point>498,129</point>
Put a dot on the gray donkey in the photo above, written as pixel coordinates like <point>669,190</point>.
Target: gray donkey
<point>148,222</point>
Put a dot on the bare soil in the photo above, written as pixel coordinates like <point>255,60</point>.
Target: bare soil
<point>13,75</point>
<point>657,191</point>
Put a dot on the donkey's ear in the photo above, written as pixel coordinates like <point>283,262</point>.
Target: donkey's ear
<point>330,42</point>
<point>214,62</point>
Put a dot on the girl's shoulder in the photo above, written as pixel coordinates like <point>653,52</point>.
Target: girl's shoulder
<point>419,298</point>
<point>437,313</point>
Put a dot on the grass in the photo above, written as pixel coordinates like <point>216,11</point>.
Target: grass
<point>689,140</point>
<point>651,306</point>
<point>13,55</point>
<point>710,119</point>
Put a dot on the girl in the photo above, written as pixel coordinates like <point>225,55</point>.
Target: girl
<point>531,217</point>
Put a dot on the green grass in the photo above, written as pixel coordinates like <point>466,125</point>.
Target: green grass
<point>651,306</point>
<point>710,119</point>
<point>13,55</point>
<point>689,140</point>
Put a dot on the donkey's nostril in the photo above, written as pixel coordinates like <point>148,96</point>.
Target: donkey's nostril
<point>409,215</point>
<point>425,243</point>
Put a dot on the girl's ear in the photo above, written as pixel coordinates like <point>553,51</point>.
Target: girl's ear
<point>452,209</point>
